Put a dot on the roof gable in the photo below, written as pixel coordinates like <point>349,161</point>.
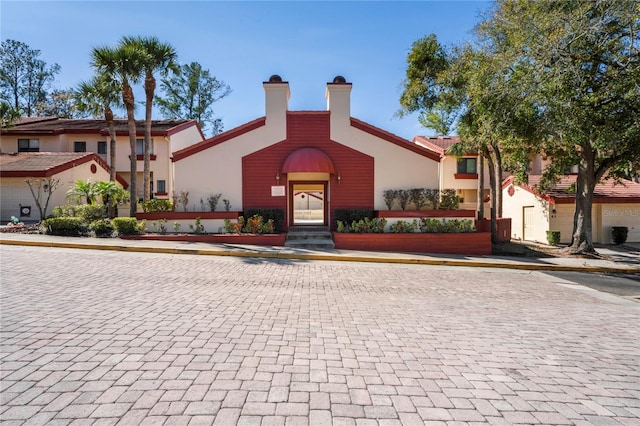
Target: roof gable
<point>218,139</point>
<point>394,139</point>
<point>47,164</point>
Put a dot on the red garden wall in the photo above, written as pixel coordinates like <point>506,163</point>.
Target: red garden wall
<point>473,243</point>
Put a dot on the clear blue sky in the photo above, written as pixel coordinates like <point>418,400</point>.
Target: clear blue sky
<point>243,43</point>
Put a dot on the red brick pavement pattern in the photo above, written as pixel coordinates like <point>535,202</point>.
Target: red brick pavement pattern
<point>102,338</point>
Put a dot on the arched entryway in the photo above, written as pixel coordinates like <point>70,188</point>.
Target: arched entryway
<point>308,172</point>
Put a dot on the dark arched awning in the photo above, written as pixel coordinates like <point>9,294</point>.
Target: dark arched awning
<point>308,160</point>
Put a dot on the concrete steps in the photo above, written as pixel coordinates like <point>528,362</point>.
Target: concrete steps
<point>309,237</point>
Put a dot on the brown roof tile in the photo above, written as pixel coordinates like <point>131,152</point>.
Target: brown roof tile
<point>605,191</point>
<point>47,164</point>
<point>49,125</point>
<point>438,144</point>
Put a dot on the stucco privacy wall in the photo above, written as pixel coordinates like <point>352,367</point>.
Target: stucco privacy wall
<point>15,191</point>
<point>513,207</point>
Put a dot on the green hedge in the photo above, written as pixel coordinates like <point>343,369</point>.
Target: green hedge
<point>128,225</point>
<point>102,228</point>
<point>157,205</point>
<point>348,216</point>
<point>276,215</point>
<point>553,237</point>
<point>65,226</point>
<point>365,226</point>
<point>88,213</point>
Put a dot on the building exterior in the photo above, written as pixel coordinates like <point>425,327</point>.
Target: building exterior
<point>16,199</point>
<point>52,134</point>
<point>308,163</point>
<point>460,174</point>
<point>533,214</point>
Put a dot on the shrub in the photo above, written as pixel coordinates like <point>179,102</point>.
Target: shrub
<point>553,237</point>
<point>419,197</point>
<point>198,227</point>
<point>128,225</point>
<point>348,216</point>
<point>268,214</point>
<point>619,234</point>
<point>213,201</point>
<point>390,196</point>
<point>402,226</point>
<point>182,198</point>
<point>64,226</point>
<point>404,196</point>
<point>102,228</point>
<point>87,213</point>
<point>364,226</point>
<point>369,226</point>
<point>157,205</point>
<point>449,200</point>
<point>234,227</point>
<point>254,224</point>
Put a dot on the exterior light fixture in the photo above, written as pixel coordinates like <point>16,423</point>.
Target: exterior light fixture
<point>277,177</point>
<point>339,178</point>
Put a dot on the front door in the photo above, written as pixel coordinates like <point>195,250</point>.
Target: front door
<point>528,223</point>
<point>308,205</point>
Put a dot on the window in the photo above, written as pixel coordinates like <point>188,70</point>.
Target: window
<point>467,166</point>
<point>79,147</point>
<point>140,147</point>
<point>162,188</point>
<point>28,145</point>
<point>102,147</point>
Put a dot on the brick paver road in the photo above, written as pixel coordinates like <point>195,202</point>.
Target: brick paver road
<point>94,337</point>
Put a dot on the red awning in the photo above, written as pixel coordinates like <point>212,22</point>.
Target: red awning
<point>308,160</point>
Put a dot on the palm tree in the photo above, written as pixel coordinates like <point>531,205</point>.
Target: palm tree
<point>84,189</point>
<point>159,57</point>
<point>111,194</point>
<point>124,63</point>
<point>96,97</point>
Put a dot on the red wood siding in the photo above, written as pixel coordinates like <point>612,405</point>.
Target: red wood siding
<point>308,129</point>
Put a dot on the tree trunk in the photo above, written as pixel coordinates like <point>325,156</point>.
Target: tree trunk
<point>108,115</point>
<point>480,204</point>
<point>492,195</point>
<point>497,156</point>
<point>128,99</point>
<point>582,237</point>
<point>149,88</point>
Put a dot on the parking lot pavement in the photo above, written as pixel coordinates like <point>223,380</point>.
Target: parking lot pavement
<point>99,337</point>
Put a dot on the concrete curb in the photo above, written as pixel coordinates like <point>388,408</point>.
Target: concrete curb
<point>326,257</point>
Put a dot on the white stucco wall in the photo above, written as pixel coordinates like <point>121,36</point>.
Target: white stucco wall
<point>184,138</point>
<point>14,191</point>
<point>395,167</point>
<point>620,215</point>
<point>513,207</point>
<point>218,169</point>
<point>604,216</point>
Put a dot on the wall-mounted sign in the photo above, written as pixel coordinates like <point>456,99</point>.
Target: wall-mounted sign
<point>277,191</point>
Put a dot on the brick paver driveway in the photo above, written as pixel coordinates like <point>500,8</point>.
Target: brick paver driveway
<point>94,337</point>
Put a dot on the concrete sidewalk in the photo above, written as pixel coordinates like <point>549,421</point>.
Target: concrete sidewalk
<point>615,259</point>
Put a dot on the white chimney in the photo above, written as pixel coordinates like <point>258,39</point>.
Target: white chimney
<point>276,99</point>
<point>338,96</point>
